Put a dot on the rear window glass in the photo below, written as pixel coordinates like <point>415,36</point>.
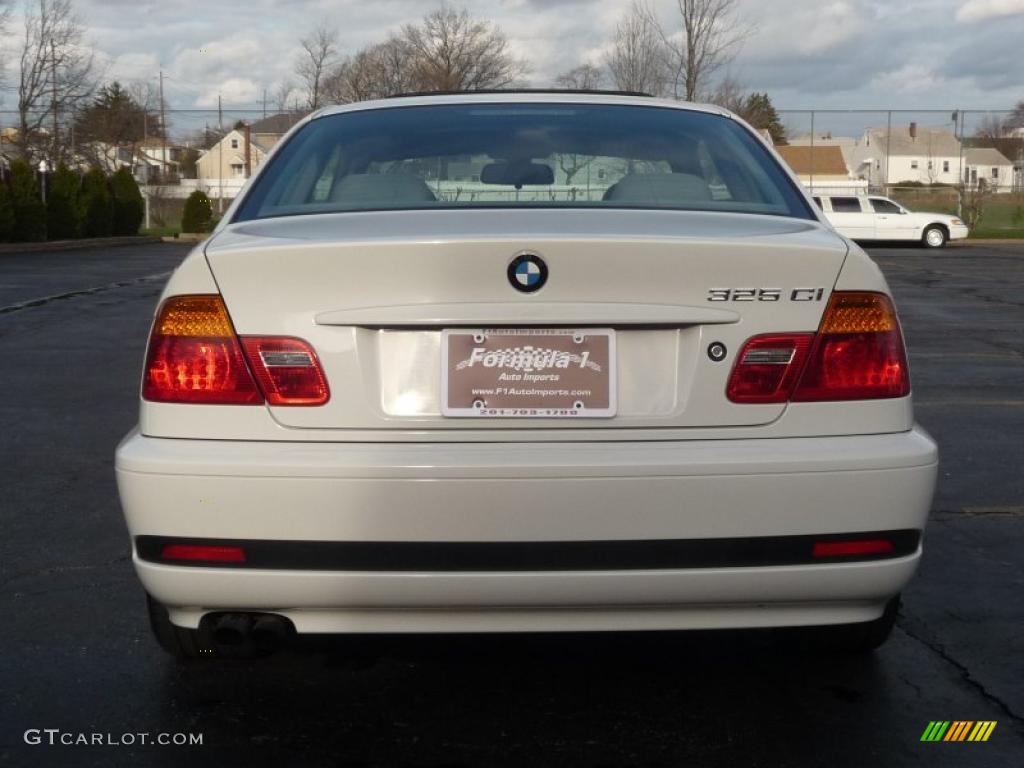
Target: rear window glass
<point>845,205</point>
<point>521,155</point>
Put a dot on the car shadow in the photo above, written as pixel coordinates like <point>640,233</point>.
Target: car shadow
<point>593,699</point>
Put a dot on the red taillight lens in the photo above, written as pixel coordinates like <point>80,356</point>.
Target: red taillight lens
<point>858,353</point>
<point>768,367</point>
<point>852,548</point>
<point>203,552</point>
<point>194,356</point>
<point>287,370</point>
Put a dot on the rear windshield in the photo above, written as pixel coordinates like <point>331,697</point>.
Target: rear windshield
<point>522,155</point>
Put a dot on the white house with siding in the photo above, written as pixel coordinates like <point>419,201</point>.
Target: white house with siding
<point>910,153</point>
<point>988,166</point>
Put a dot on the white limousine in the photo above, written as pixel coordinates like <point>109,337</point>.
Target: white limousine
<point>879,218</point>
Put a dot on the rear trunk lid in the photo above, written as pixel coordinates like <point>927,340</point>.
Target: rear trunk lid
<point>374,292</point>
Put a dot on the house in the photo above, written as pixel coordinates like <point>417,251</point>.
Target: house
<point>221,169</point>
<point>989,167</point>
<point>910,153</point>
<point>227,159</point>
<point>151,160</point>
<point>815,163</point>
<point>269,130</point>
<point>156,158</point>
<point>846,144</point>
<point>821,169</point>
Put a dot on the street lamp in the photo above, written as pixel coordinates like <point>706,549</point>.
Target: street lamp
<point>43,168</point>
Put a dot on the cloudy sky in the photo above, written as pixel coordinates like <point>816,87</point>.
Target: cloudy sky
<point>805,53</point>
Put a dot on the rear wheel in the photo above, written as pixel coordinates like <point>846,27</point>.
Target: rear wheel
<point>181,643</point>
<point>934,237</point>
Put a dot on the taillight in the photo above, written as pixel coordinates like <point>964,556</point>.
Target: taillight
<point>287,370</point>
<point>767,368</point>
<point>194,356</point>
<point>857,354</point>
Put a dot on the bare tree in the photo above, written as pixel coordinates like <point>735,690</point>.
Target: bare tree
<point>319,49</point>
<point>637,61</point>
<point>282,94</point>
<point>377,71</point>
<point>585,77</point>
<point>702,36</point>
<point>974,200</point>
<point>992,127</point>
<point>451,51</point>
<point>5,17</point>
<point>1015,120</point>
<point>56,74</point>
<point>729,93</point>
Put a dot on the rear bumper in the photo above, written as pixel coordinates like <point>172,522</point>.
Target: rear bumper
<point>516,494</point>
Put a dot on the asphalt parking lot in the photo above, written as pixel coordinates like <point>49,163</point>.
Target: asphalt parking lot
<point>77,654</point>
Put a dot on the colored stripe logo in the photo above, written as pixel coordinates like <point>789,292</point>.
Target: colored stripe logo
<point>958,730</point>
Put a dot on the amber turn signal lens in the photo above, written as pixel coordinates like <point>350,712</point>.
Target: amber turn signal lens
<point>855,312</point>
<point>192,316</point>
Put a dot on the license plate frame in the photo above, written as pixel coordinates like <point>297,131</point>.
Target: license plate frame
<point>480,366</point>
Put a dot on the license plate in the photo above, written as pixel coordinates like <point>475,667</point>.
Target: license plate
<point>528,373</point>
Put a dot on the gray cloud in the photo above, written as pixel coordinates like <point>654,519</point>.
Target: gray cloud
<point>827,53</point>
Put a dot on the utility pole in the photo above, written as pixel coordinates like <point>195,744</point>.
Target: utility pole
<point>264,103</point>
<point>220,157</point>
<point>248,150</point>
<point>888,137</point>
<point>163,129</point>
<point>811,182</point>
<point>958,116</point>
<point>53,102</point>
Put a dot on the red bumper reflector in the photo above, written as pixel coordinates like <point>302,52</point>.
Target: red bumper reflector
<point>204,552</point>
<point>852,548</point>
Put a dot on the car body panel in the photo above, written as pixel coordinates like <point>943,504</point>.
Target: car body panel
<point>533,492</point>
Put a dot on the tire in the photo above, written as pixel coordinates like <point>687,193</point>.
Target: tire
<point>864,638</point>
<point>181,643</point>
<point>934,237</point>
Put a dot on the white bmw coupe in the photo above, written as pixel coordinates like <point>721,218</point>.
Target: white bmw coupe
<point>523,362</point>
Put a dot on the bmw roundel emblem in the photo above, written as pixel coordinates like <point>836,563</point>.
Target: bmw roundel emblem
<point>527,272</point>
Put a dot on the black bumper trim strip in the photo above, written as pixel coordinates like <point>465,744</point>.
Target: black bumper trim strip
<point>450,556</point>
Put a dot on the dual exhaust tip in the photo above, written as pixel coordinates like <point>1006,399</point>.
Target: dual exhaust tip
<point>247,635</point>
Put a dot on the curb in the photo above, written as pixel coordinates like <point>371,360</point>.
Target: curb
<point>987,241</point>
<point>74,245</point>
<point>186,237</point>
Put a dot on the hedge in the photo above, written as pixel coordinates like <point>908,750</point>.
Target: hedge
<point>95,205</point>
<point>26,204</point>
<point>198,215</point>
<point>129,207</point>
<point>6,213</point>
<point>63,218</point>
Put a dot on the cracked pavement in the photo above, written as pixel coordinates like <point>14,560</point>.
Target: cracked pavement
<point>77,654</point>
